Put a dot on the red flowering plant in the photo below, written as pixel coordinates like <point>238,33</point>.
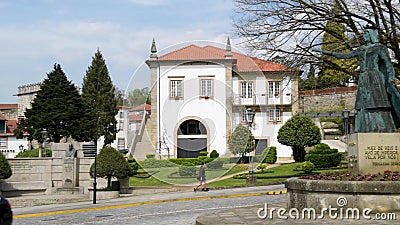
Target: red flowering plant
<point>387,175</point>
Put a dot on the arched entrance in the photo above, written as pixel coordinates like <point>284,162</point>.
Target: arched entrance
<point>192,139</point>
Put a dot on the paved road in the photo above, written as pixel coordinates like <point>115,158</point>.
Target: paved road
<point>175,208</point>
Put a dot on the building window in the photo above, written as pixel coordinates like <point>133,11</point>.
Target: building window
<point>175,88</point>
<point>275,115</point>
<point>2,126</point>
<point>246,89</point>
<point>3,142</point>
<point>206,87</point>
<point>273,88</point>
<point>121,143</point>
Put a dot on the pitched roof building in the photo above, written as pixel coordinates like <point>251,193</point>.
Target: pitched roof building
<point>201,93</point>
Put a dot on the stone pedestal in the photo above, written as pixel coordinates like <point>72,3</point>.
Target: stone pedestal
<point>370,153</point>
<point>251,180</point>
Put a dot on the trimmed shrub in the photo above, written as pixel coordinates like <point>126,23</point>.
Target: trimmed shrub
<point>187,171</point>
<point>111,163</point>
<point>134,165</point>
<point>185,161</point>
<point>307,166</point>
<point>262,167</point>
<point>150,156</point>
<point>203,153</point>
<point>214,154</point>
<point>322,156</point>
<point>5,168</point>
<point>271,156</point>
<point>216,164</point>
<point>156,163</point>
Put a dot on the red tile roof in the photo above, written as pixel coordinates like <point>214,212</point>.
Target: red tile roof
<point>244,63</point>
<point>135,117</point>
<point>141,107</point>
<point>8,106</point>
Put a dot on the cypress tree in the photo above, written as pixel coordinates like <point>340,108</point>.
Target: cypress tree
<point>335,72</point>
<point>99,96</point>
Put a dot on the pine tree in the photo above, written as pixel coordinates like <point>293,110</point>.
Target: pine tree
<point>335,72</point>
<point>57,108</point>
<point>100,99</point>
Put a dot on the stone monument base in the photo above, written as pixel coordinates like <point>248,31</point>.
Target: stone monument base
<point>379,196</point>
<point>370,153</point>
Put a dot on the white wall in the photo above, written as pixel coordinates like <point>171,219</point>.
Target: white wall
<point>210,111</point>
<point>13,146</point>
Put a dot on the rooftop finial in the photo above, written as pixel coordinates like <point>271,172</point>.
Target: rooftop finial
<point>228,49</point>
<point>153,49</point>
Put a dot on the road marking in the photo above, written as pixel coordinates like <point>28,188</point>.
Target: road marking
<point>69,211</point>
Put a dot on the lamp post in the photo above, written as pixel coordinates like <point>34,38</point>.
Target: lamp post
<point>251,179</point>
<point>346,115</point>
<point>44,134</point>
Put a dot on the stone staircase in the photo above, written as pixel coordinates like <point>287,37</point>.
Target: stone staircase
<point>144,146</point>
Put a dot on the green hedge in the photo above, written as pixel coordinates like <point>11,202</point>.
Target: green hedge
<point>34,153</point>
<point>215,164</point>
<point>324,160</point>
<point>156,163</point>
<point>187,171</point>
<point>270,155</point>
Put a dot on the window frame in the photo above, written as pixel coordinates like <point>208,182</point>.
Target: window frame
<point>119,145</point>
<point>246,89</point>
<point>175,87</point>
<point>3,142</point>
<point>206,87</point>
<point>274,115</point>
<point>274,88</point>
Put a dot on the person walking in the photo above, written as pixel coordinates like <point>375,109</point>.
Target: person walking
<point>202,178</point>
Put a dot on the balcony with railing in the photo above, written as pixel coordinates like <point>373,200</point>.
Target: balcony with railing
<point>257,99</point>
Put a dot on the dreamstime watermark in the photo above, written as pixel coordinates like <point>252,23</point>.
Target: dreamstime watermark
<point>332,212</point>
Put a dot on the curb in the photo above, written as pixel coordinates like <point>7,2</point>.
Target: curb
<point>281,192</point>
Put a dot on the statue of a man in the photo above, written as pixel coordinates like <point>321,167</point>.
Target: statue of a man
<point>378,101</point>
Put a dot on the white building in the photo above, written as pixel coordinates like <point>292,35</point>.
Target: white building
<point>10,146</point>
<point>199,94</point>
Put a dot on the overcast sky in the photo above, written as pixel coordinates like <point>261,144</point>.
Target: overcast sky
<point>35,34</point>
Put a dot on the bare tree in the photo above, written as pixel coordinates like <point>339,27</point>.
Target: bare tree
<point>291,28</point>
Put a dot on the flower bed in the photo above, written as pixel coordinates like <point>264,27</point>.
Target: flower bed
<point>387,175</point>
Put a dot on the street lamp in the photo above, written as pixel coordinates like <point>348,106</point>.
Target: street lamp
<point>249,115</point>
<point>346,115</point>
<point>45,135</point>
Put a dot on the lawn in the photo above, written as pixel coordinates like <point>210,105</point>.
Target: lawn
<point>162,176</point>
<point>271,176</point>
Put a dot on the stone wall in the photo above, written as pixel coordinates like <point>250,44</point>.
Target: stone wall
<point>26,95</point>
<point>379,196</point>
<point>32,176</point>
<point>329,99</point>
